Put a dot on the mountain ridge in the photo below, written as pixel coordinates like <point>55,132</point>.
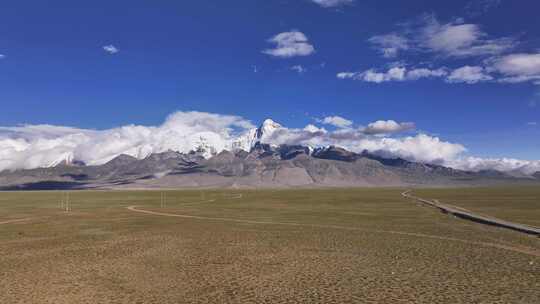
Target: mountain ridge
<point>250,163</point>
<point>269,132</point>
<point>264,166</point>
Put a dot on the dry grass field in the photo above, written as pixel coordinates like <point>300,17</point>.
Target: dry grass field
<point>267,246</point>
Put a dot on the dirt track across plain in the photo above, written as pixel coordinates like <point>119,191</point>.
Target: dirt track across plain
<point>15,221</point>
<point>524,250</point>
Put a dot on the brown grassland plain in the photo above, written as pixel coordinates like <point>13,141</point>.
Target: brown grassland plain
<point>267,246</point>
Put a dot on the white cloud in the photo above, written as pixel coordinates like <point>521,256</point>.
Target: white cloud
<point>336,121</point>
<point>415,74</point>
<point>468,74</point>
<point>111,49</point>
<point>388,126</point>
<point>518,79</point>
<point>532,123</point>
<point>345,75</point>
<point>519,64</point>
<point>465,74</point>
<point>332,3</point>
<point>390,44</point>
<point>299,69</point>
<point>397,73</point>
<point>314,129</point>
<point>449,37</point>
<point>2,56</point>
<point>393,74</point>
<point>460,39</point>
<point>43,145</point>
<point>453,39</point>
<point>290,44</point>
<point>499,164</point>
<point>517,67</point>
<point>423,148</point>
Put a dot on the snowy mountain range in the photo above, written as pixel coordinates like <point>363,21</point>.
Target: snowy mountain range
<point>206,144</point>
<point>264,166</point>
<point>207,135</point>
<point>249,160</point>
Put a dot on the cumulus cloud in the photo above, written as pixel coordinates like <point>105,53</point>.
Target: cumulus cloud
<point>346,75</point>
<point>468,74</point>
<point>397,73</point>
<point>522,78</point>
<point>460,39</point>
<point>416,74</point>
<point>43,145</point>
<point>388,126</point>
<point>314,129</point>
<point>332,3</point>
<point>393,74</point>
<point>111,49</point>
<point>452,39</point>
<point>390,44</point>
<point>499,164</point>
<point>516,68</point>
<point>422,147</point>
<point>290,44</point>
<point>336,121</point>
<point>518,64</point>
<point>465,74</point>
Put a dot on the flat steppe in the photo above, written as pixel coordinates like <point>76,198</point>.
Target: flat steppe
<point>267,246</point>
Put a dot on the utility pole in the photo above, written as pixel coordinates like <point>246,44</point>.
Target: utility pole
<point>64,201</point>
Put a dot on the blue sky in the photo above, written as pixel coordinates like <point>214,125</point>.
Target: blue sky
<point>216,56</point>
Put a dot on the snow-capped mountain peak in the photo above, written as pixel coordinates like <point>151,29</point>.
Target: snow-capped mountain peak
<point>267,128</point>
<point>206,144</point>
<point>256,135</point>
<point>204,147</point>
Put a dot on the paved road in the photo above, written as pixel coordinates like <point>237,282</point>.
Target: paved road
<point>466,214</point>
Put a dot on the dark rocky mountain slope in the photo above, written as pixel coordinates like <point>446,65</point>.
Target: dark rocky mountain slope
<point>263,166</point>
